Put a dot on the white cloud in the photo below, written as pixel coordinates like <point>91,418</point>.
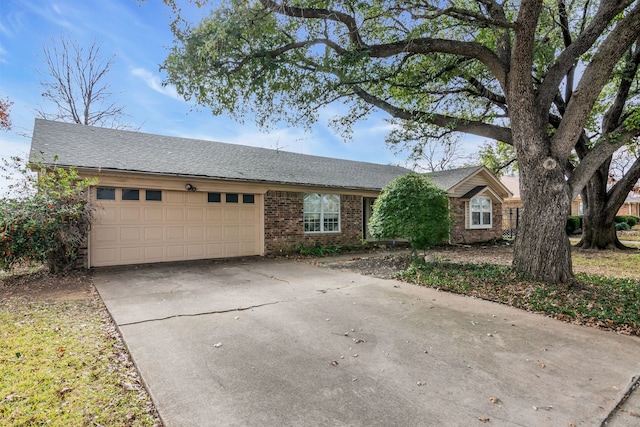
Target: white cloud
<point>155,83</point>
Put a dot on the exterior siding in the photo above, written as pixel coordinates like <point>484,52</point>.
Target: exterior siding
<point>461,234</point>
<point>284,226</point>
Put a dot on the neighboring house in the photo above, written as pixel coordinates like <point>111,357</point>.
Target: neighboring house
<point>631,205</point>
<point>165,198</point>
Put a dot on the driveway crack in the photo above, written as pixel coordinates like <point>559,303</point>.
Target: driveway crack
<point>206,313</point>
<point>635,382</point>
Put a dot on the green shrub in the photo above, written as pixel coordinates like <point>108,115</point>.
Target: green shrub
<point>620,219</point>
<point>411,207</point>
<point>319,251</point>
<point>632,220</point>
<point>622,226</point>
<point>573,223</point>
<point>48,221</point>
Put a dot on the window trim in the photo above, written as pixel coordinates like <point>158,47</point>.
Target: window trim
<point>147,192</point>
<point>322,214</point>
<point>212,196</point>
<point>481,211</point>
<point>122,193</point>
<point>112,189</point>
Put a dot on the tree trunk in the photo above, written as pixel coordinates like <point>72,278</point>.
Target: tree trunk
<point>598,225</point>
<point>542,250</point>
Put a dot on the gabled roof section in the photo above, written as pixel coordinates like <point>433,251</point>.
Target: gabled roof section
<point>450,178</point>
<point>105,149</point>
<point>457,179</point>
<point>474,191</point>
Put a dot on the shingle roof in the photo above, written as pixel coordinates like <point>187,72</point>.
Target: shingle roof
<point>118,150</point>
<point>450,178</point>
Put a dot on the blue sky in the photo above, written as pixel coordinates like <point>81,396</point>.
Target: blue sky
<point>138,34</point>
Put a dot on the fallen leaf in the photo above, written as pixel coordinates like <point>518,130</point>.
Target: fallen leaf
<point>542,365</point>
<point>334,363</point>
<point>421,383</point>
<point>634,414</point>
<point>358,341</point>
<point>495,400</point>
<point>218,345</point>
<point>484,419</point>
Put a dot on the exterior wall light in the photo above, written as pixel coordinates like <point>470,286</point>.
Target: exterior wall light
<point>190,187</point>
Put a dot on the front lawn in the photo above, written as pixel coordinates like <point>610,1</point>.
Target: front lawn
<point>62,362</point>
<point>609,303</point>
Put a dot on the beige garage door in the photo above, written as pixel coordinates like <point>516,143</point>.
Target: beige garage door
<point>136,226</point>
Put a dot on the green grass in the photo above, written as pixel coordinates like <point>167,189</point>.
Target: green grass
<point>595,300</point>
<point>60,365</point>
<point>608,263</point>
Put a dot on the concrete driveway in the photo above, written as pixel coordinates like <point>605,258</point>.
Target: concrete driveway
<point>261,342</point>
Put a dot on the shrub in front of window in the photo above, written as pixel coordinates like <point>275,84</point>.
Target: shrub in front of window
<point>411,207</point>
<point>48,221</point>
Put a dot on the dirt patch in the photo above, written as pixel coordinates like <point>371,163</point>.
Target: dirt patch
<point>385,265</point>
<point>40,286</point>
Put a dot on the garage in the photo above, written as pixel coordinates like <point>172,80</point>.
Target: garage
<point>138,225</point>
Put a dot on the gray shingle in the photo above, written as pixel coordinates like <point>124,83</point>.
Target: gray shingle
<point>110,149</point>
<point>450,178</point>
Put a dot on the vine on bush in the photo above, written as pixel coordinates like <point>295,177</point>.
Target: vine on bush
<point>46,218</point>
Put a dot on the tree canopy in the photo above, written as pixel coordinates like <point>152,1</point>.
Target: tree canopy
<point>411,207</point>
<point>528,73</point>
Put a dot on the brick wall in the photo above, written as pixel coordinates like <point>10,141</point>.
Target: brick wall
<point>284,226</point>
<point>462,235</point>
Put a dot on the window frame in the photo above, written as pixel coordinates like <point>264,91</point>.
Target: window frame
<point>214,197</point>
<point>482,210</point>
<point>150,192</point>
<point>131,191</point>
<point>111,190</point>
<point>321,216</point>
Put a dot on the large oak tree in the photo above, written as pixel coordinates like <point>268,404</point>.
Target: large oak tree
<point>527,72</point>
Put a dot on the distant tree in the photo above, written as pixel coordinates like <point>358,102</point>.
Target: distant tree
<point>411,207</point>
<point>5,120</point>
<point>499,158</point>
<point>75,82</point>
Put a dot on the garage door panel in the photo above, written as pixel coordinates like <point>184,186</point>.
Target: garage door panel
<point>248,231</point>
<point>175,214</point>
<point>248,215</point>
<point>130,214</point>
<point>231,214</point>
<point>196,250</point>
<point>175,233</point>
<point>104,235</point>
<point>213,214</point>
<point>195,214</point>
<point>152,233</point>
<point>130,234</point>
<point>153,214</point>
<point>232,249</point>
<point>131,254</point>
<point>175,252</point>
<point>195,233</point>
<point>215,250</point>
<point>231,232</point>
<point>195,198</point>
<point>108,213</point>
<point>181,226</point>
<point>154,253</point>
<point>174,197</point>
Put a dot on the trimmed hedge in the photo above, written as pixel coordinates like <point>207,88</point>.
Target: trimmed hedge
<point>573,224</point>
<point>622,226</point>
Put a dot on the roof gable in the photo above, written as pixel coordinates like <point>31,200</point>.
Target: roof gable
<point>458,182</point>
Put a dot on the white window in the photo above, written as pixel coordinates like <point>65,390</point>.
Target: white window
<point>480,212</point>
<point>321,213</point>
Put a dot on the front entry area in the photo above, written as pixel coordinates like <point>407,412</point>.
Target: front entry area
<point>137,225</point>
